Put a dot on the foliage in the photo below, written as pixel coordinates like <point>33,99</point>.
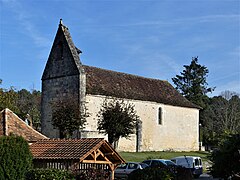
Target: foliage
<point>226,160</point>
<point>29,104</point>
<point>48,174</point>
<point>220,118</point>
<point>23,103</point>
<point>229,94</point>
<point>8,99</point>
<point>161,172</point>
<point>15,157</point>
<point>93,174</point>
<point>68,116</point>
<point>192,83</point>
<point>117,119</point>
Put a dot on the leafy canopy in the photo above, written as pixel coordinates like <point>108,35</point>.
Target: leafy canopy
<point>68,116</point>
<point>220,118</point>
<point>117,119</point>
<point>23,102</point>
<point>192,83</point>
<point>226,160</point>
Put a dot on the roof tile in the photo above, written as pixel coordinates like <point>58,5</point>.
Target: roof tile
<point>122,85</point>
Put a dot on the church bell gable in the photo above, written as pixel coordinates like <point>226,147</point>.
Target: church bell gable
<point>64,58</point>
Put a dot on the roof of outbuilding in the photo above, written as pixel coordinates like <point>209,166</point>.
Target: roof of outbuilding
<point>111,83</point>
<point>78,149</point>
<point>10,123</point>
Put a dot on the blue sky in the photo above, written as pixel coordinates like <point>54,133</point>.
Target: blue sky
<point>143,37</point>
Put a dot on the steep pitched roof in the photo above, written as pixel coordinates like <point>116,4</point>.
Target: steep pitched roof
<point>122,85</point>
<point>10,123</point>
<point>76,149</point>
<point>64,58</point>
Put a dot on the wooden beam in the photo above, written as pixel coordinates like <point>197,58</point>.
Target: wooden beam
<point>100,153</point>
<point>97,162</point>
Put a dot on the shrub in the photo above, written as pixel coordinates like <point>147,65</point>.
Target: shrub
<point>15,157</point>
<point>93,174</point>
<point>161,173</point>
<point>151,173</point>
<point>49,174</point>
<point>226,160</point>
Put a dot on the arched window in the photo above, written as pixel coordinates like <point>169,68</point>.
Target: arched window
<point>160,115</point>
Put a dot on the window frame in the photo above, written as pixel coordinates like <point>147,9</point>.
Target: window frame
<point>160,116</point>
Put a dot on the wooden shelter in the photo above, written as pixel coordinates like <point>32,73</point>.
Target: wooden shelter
<point>76,155</point>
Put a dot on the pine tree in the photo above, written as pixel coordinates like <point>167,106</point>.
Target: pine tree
<point>192,83</point>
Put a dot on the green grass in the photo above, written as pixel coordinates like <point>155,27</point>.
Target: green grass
<point>140,156</point>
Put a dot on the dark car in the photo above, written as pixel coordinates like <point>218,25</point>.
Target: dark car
<point>123,170</point>
<point>159,162</point>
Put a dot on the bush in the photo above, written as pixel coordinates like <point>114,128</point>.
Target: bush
<point>48,174</point>
<point>161,173</point>
<point>226,160</point>
<point>15,157</point>
<point>93,174</point>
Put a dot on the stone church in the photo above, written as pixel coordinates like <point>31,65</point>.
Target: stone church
<point>169,121</point>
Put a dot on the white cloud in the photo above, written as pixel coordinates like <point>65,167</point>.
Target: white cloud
<point>230,86</point>
<point>24,19</point>
<point>183,21</point>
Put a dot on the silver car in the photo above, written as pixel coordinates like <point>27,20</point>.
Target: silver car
<point>123,170</point>
<point>157,162</point>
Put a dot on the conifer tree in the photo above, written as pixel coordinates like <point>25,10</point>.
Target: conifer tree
<point>192,83</point>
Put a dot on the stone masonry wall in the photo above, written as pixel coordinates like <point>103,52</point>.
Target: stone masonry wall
<point>178,131</point>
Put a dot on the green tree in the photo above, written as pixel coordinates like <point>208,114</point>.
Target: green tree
<point>226,160</point>
<point>23,103</point>
<point>29,104</point>
<point>192,83</point>
<point>15,158</point>
<point>68,116</point>
<point>220,118</point>
<point>8,99</point>
<point>117,119</point>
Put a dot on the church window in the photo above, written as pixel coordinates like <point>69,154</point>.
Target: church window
<point>160,115</point>
<point>60,48</point>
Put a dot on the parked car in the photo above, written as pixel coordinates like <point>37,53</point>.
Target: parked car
<point>193,163</point>
<point>159,162</point>
<point>123,170</point>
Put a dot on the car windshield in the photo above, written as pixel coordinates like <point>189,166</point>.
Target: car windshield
<point>132,166</point>
<point>122,166</point>
<point>147,162</point>
<point>143,165</point>
<point>169,163</point>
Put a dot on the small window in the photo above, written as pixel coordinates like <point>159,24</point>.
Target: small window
<point>160,115</point>
<point>122,166</point>
<point>132,166</point>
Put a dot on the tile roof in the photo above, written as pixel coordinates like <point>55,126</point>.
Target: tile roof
<point>122,85</point>
<point>10,123</point>
<point>63,148</point>
<point>76,149</point>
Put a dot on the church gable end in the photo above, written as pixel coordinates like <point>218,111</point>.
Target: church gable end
<point>63,78</point>
<point>63,59</point>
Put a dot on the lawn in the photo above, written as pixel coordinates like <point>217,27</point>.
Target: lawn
<point>140,156</point>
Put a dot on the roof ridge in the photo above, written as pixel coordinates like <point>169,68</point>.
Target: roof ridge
<point>124,73</point>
